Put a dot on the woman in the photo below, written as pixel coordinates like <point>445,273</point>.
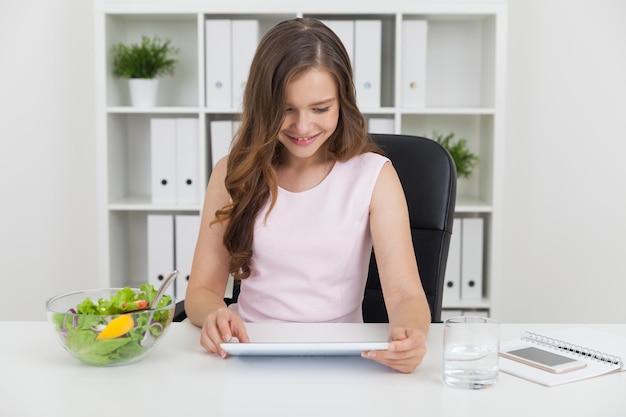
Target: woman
<point>294,209</point>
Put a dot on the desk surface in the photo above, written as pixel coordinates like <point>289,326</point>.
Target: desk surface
<point>38,378</point>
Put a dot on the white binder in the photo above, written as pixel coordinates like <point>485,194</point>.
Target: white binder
<point>245,37</point>
<point>160,248</point>
<point>187,171</point>
<point>218,63</point>
<point>344,29</point>
<point>414,48</point>
<point>236,125</point>
<point>221,136</point>
<point>472,259</point>
<point>367,62</point>
<point>186,235</point>
<point>380,125</point>
<point>452,283</point>
<point>163,160</point>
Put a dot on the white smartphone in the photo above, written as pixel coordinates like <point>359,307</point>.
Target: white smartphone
<point>543,359</point>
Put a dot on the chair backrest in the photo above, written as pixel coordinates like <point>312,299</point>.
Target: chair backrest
<point>428,176</point>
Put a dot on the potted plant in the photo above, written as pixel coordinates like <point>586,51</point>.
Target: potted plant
<point>142,63</point>
<point>464,159</point>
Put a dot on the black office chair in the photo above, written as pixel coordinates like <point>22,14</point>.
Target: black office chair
<point>428,176</point>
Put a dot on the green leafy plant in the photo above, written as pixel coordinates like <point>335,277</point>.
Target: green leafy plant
<point>151,58</point>
<point>464,159</point>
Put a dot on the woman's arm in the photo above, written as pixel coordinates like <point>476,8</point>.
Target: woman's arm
<point>204,301</point>
<point>407,307</point>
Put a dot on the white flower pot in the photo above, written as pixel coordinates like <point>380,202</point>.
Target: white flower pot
<point>143,92</point>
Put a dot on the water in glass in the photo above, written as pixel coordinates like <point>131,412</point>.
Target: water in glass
<point>470,352</point>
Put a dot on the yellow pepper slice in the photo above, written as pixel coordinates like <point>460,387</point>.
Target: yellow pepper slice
<point>117,327</point>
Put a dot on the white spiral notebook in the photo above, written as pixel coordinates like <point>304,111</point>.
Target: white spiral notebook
<point>602,352</point>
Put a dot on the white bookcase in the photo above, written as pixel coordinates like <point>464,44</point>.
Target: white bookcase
<point>465,78</point>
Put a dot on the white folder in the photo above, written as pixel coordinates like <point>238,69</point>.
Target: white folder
<point>367,62</point>
<point>380,125</point>
<point>163,160</point>
<point>452,283</point>
<point>344,29</point>
<point>245,37</point>
<point>160,248</point>
<point>236,125</point>
<point>446,314</point>
<point>472,259</point>
<point>186,235</point>
<point>414,48</point>
<point>187,171</point>
<point>221,136</point>
<point>218,63</point>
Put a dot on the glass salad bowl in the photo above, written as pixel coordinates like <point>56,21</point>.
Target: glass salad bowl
<point>110,326</point>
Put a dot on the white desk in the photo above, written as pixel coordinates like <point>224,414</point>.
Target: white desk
<point>38,378</point>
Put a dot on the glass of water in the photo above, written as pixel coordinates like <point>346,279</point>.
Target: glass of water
<point>470,352</point>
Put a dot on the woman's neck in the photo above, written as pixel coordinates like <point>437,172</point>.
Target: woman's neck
<point>296,175</point>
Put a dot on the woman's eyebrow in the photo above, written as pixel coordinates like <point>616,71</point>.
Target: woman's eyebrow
<point>326,101</point>
<point>321,102</point>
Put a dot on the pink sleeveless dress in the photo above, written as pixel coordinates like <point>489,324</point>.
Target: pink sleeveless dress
<point>310,258</point>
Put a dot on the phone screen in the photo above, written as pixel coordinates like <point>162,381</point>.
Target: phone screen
<point>541,356</point>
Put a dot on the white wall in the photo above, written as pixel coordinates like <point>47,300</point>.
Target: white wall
<point>48,206</point>
<point>565,200</point>
<point>565,197</point>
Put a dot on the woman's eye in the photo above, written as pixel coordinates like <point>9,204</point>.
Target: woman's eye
<point>321,110</point>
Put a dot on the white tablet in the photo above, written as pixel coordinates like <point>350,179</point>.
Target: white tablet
<point>310,339</point>
<point>301,348</point>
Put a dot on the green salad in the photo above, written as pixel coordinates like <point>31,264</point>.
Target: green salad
<point>80,327</point>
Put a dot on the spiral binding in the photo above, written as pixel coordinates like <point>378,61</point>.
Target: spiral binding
<point>571,348</point>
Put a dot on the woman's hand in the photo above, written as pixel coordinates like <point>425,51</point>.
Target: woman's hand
<point>407,348</point>
<point>221,326</point>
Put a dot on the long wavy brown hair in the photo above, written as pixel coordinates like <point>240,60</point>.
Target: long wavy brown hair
<point>287,51</point>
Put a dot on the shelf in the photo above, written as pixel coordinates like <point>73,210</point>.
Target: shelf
<point>153,110</point>
<point>472,205</point>
<point>209,110</point>
<point>143,203</point>
<point>450,111</point>
<point>464,63</point>
<point>466,304</point>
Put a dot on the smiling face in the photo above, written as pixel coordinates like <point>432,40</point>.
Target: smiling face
<point>311,116</point>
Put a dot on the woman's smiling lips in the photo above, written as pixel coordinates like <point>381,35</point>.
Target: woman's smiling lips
<point>302,140</point>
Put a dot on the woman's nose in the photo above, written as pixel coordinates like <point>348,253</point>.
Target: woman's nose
<point>301,122</point>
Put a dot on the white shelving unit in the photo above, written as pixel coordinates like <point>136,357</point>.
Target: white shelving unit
<point>465,95</point>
